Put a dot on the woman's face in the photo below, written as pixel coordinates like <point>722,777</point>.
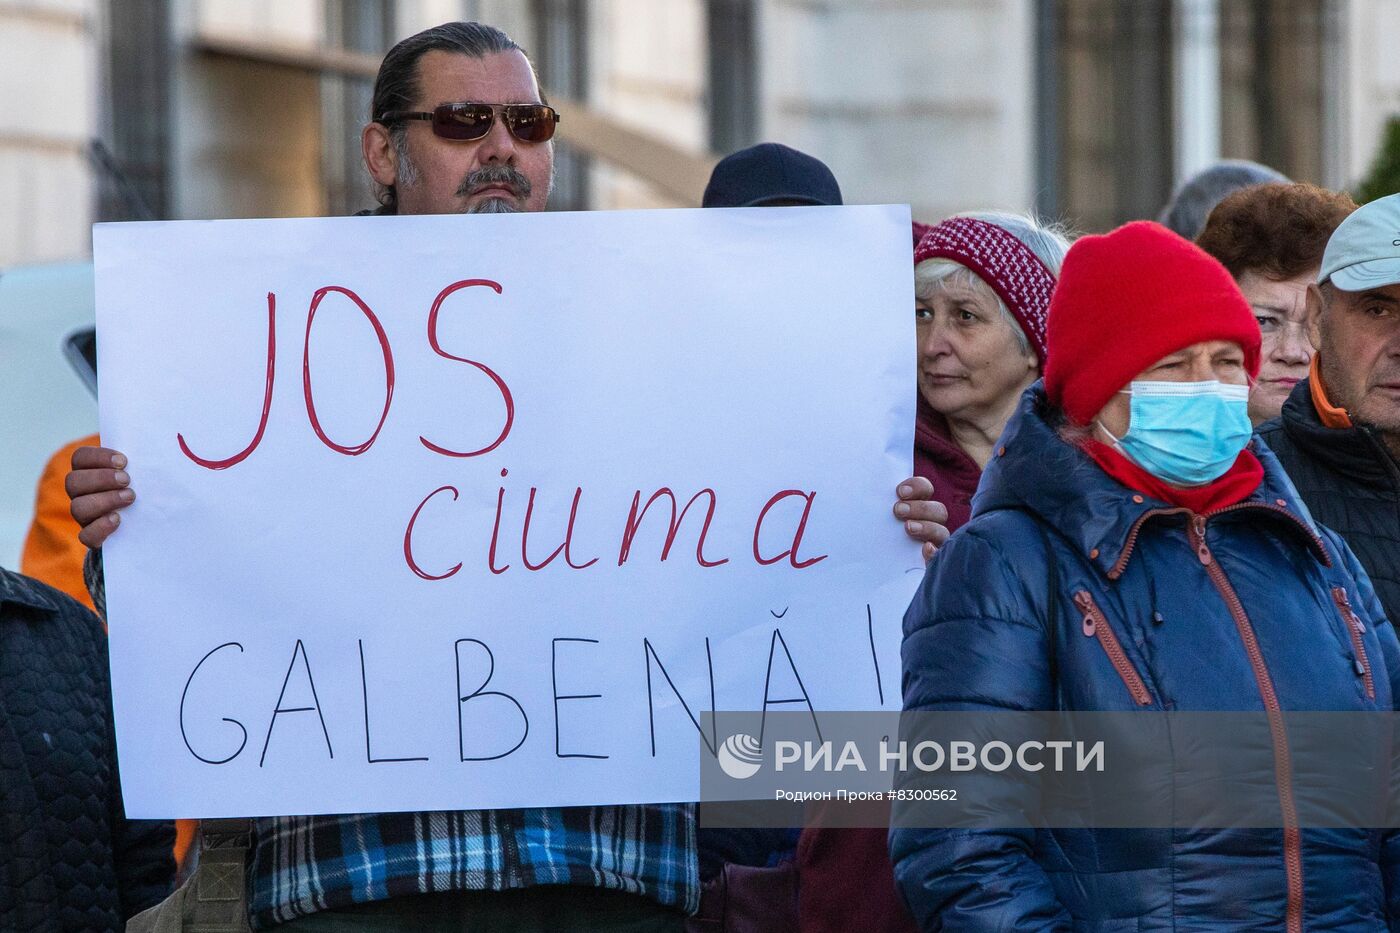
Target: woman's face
<point>1280,305</point>
<point>1220,360</point>
<point>970,359</point>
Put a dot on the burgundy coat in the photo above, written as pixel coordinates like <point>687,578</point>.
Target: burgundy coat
<point>845,879</point>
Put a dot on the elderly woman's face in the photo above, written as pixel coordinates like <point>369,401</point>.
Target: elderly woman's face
<point>970,360</point>
<point>1220,360</point>
<point>1280,306</point>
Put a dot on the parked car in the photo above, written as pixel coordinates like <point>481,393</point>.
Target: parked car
<point>46,382</point>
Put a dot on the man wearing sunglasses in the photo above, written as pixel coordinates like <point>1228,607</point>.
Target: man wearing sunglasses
<point>459,128</point>
<point>457,125</point>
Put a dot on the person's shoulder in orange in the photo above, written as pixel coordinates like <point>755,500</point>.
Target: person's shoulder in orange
<point>52,551</point>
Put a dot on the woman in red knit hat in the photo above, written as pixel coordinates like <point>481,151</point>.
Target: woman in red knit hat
<point>1132,548</point>
<point>982,292</point>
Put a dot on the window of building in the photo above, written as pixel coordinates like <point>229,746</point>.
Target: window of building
<point>132,160</point>
<point>357,26</point>
<point>733,74</point>
<point>1105,97</point>
<point>560,52</point>
<point>1274,62</point>
<point>1104,104</point>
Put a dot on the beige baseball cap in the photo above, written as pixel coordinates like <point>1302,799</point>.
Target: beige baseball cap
<point>1364,251</point>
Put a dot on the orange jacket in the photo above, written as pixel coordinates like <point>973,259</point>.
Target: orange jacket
<point>52,551</point>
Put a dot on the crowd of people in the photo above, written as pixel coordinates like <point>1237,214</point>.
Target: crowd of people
<point>1155,469</point>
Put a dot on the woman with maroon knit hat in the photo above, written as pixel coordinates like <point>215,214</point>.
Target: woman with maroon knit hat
<point>982,292</point>
<point>982,285</point>
<point>1132,548</point>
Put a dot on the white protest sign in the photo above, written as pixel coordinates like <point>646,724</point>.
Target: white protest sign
<point>479,512</point>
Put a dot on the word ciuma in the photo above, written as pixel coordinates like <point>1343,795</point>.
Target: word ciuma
<point>497,563</point>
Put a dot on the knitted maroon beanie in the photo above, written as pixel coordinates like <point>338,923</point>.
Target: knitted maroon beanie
<point>1125,300</point>
<point>1006,264</point>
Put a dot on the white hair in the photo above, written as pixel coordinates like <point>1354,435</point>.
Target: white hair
<point>1049,243</point>
<point>406,172</point>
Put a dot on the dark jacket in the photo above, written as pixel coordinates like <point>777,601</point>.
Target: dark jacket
<point>1349,480</point>
<point>979,635</point>
<point>69,859</point>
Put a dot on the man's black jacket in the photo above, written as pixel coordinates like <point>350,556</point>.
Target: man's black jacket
<point>69,859</point>
<point>1350,481</point>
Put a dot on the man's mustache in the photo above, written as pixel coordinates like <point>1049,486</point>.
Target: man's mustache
<point>491,175</point>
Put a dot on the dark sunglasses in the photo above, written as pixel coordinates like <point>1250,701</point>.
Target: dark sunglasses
<point>529,123</point>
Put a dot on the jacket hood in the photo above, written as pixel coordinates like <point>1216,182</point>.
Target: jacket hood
<point>1035,471</point>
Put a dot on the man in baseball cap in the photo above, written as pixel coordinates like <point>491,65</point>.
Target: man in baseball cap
<point>1339,435</point>
<point>771,175</point>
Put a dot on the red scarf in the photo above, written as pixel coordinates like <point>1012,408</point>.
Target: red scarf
<point>1237,484</point>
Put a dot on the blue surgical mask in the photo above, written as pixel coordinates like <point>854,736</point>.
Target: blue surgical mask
<point>1186,433</point>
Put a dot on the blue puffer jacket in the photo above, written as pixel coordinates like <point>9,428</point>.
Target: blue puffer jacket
<point>1157,581</point>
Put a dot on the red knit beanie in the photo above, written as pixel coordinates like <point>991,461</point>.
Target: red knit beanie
<point>1128,298</point>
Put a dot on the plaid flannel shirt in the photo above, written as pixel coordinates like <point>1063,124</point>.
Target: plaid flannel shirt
<point>304,864</point>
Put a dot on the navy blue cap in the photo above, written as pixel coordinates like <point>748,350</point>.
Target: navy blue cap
<point>768,173</point>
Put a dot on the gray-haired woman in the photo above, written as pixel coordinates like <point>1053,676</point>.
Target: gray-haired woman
<point>982,293</point>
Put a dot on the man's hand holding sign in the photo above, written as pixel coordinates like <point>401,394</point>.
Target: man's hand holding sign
<point>426,524</point>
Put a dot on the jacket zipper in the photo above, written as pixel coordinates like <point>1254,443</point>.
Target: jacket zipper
<point>1095,625</point>
<point>1123,558</point>
<point>1356,629</point>
<point>1122,563</point>
<point>1283,767</point>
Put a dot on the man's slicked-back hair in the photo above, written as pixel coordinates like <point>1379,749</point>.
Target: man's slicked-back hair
<point>396,86</point>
